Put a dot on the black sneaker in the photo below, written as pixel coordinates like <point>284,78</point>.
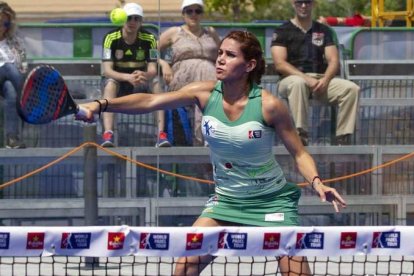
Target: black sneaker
<point>343,140</point>
<point>13,142</point>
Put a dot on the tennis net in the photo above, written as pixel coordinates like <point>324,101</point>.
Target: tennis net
<point>123,250</point>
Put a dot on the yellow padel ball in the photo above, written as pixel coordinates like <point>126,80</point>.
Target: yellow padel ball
<point>118,16</point>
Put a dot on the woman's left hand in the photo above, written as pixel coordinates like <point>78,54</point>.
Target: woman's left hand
<point>329,194</point>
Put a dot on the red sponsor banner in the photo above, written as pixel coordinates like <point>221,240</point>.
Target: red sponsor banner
<point>194,241</point>
<point>271,241</point>
<point>116,240</point>
<point>35,240</point>
<point>348,240</point>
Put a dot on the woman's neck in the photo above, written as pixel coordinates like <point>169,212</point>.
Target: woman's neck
<point>195,30</point>
<point>237,90</point>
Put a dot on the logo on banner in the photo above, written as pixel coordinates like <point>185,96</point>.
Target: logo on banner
<point>228,240</point>
<point>154,241</point>
<point>386,240</point>
<point>271,241</point>
<point>4,240</point>
<point>255,134</point>
<point>348,240</point>
<point>309,240</point>
<point>35,240</point>
<point>75,241</point>
<point>116,240</point>
<point>194,241</point>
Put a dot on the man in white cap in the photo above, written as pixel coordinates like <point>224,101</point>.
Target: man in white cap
<point>128,63</point>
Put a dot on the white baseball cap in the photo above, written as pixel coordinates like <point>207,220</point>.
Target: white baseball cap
<point>187,3</point>
<point>133,9</point>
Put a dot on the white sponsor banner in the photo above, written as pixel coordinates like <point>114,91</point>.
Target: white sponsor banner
<point>107,241</point>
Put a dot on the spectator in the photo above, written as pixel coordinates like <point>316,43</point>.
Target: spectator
<point>12,67</point>
<point>128,63</point>
<point>194,51</point>
<point>305,54</point>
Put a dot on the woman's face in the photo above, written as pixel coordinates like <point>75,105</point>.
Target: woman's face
<point>230,63</point>
<point>193,14</point>
<point>4,24</point>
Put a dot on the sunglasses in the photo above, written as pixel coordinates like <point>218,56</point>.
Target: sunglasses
<point>301,2</point>
<point>193,11</point>
<point>136,18</point>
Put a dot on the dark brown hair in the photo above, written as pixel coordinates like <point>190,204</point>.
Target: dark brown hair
<point>6,9</point>
<point>251,49</point>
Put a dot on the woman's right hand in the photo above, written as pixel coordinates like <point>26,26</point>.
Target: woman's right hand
<point>87,111</point>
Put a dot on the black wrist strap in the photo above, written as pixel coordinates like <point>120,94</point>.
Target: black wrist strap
<point>313,181</point>
<point>100,108</point>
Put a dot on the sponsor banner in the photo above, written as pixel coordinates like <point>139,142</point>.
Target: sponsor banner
<point>110,241</point>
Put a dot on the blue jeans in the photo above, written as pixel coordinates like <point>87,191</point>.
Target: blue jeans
<point>11,83</point>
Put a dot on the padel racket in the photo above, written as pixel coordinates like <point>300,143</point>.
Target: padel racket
<point>45,96</point>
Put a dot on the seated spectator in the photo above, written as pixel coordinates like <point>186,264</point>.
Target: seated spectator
<point>193,54</point>
<point>12,67</point>
<point>305,54</point>
<point>128,63</point>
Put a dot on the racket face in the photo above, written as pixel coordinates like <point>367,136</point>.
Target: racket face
<point>45,96</point>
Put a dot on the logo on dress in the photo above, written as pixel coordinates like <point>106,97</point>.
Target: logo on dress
<point>208,128</point>
<point>255,134</point>
<point>386,240</point>
<point>318,39</point>
<point>227,240</point>
<point>35,240</point>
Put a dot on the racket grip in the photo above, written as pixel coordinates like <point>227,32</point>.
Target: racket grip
<point>80,111</point>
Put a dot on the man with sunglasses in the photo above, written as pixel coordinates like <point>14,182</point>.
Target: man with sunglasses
<point>306,56</point>
<point>128,63</point>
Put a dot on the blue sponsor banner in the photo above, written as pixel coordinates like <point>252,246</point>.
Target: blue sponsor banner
<point>312,240</point>
<point>75,240</point>
<point>154,241</point>
<point>4,240</point>
<point>386,239</point>
<point>227,240</point>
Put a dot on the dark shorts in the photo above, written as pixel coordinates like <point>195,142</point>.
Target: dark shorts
<point>125,88</point>
<point>276,209</point>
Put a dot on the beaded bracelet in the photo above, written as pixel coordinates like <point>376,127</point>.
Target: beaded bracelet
<point>106,105</point>
<point>100,108</point>
<point>313,181</point>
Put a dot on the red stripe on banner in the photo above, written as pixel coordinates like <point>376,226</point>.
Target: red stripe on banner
<point>60,102</point>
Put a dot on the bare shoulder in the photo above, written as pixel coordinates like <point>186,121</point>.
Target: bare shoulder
<point>273,107</point>
<point>170,33</point>
<point>200,90</point>
<point>270,101</point>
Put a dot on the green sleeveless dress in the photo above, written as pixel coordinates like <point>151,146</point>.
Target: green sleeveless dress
<point>250,185</point>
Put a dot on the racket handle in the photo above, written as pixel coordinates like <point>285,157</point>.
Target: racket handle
<point>83,113</point>
<point>80,111</point>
